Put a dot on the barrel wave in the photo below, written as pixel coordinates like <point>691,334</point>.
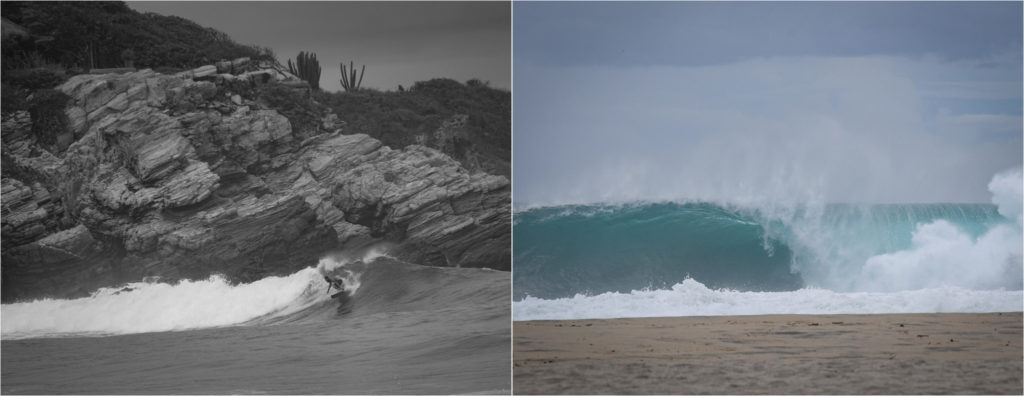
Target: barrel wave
<point>563,251</point>
<point>634,259</point>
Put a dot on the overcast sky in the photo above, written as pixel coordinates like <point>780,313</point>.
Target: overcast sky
<point>399,42</point>
<point>835,102</point>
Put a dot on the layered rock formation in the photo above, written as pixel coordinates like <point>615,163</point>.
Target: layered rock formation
<point>180,177</point>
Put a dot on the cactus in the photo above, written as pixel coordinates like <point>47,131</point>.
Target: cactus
<point>348,81</point>
<point>307,68</point>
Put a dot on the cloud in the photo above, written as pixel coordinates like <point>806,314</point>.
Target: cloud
<point>978,124</point>
<point>849,129</point>
<point>715,33</point>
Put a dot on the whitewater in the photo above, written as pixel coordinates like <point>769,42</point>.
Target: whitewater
<point>150,307</point>
<point>143,307</point>
<point>683,258</point>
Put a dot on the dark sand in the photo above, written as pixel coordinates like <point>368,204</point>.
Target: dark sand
<point>772,354</point>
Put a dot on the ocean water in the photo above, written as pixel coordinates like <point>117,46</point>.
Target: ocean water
<point>719,258</point>
<point>404,329</point>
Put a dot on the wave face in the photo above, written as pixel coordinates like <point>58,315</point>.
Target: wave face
<point>378,284</point>
<point>609,256</point>
<point>563,251</point>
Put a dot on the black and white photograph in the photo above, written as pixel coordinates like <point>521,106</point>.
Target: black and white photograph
<point>256,198</point>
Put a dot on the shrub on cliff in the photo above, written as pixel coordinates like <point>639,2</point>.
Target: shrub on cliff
<point>100,34</point>
<point>303,113</point>
<point>49,123</point>
<point>37,78</point>
<point>399,119</point>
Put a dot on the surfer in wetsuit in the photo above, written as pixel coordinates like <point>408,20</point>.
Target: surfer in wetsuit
<point>336,283</point>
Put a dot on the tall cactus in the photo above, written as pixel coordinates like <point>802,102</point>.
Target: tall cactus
<point>348,81</point>
<point>307,68</point>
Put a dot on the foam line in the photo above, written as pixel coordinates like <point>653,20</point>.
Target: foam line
<point>691,298</point>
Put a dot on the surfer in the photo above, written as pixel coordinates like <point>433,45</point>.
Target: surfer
<point>336,283</point>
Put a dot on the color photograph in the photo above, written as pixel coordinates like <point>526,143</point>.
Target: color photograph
<point>767,198</point>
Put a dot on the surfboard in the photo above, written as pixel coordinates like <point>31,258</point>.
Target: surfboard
<point>335,295</point>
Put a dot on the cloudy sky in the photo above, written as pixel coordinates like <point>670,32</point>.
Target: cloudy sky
<point>399,42</point>
<point>833,102</point>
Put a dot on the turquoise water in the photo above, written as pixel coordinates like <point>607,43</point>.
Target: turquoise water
<point>592,249</point>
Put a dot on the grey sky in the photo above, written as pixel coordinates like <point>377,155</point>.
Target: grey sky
<point>399,42</point>
<point>848,102</point>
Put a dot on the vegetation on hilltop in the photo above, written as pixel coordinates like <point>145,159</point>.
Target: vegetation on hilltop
<point>44,43</point>
<point>84,35</point>
<point>413,116</point>
<point>307,68</point>
<point>348,77</point>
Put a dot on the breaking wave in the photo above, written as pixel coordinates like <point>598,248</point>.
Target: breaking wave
<point>375,283</point>
<point>623,259</point>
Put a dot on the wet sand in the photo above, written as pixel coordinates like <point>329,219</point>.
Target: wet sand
<point>955,353</point>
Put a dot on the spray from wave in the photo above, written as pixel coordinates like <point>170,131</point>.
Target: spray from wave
<point>349,265</point>
<point>945,255</point>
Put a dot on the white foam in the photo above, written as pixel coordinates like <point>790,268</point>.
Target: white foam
<point>944,255</point>
<point>151,307</point>
<point>941,254</point>
<point>691,298</point>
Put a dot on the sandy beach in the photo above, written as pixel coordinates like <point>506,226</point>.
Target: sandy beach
<point>957,353</point>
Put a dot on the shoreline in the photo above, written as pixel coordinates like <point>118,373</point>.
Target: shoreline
<point>775,354</point>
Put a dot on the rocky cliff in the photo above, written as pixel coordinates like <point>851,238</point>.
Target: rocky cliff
<point>144,174</point>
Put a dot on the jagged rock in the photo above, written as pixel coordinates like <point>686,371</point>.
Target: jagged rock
<point>115,189</point>
<point>262,76</point>
<point>29,212</point>
<point>255,128</point>
<point>115,70</point>
<point>77,241</point>
<point>232,66</point>
<point>201,71</point>
<point>15,195</point>
<point>77,120</point>
<point>16,130</point>
<point>192,185</point>
<point>94,97</point>
<point>143,237</point>
<point>167,178</point>
<point>189,238</point>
